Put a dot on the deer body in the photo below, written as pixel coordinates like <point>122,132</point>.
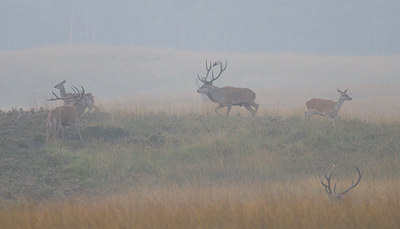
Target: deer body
<point>231,96</point>
<point>227,96</point>
<point>326,107</point>
<point>63,116</point>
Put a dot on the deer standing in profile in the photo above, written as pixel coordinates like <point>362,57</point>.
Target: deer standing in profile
<point>327,183</point>
<point>67,115</point>
<point>326,107</point>
<point>226,96</point>
<point>68,97</point>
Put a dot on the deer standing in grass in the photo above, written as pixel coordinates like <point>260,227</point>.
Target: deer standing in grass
<point>226,96</point>
<point>326,107</point>
<point>68,97</point>
<point>67,115</point>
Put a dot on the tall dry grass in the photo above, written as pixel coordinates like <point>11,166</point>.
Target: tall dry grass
<point>302,204</point>
<point>371,109</point>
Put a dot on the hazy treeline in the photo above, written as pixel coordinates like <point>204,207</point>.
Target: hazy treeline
<point>318,27</point>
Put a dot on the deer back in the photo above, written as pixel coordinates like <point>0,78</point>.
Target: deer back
<point>232,95</point>
<point>321,105</point>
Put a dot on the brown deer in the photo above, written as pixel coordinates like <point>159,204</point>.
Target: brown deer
<point>327,185</point>
<point>66,115</point>
<point>69,100</point>
<point>326,107</point>
<point>226,96</point>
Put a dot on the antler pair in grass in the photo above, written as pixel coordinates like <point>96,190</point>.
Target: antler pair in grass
<point>327,183</point>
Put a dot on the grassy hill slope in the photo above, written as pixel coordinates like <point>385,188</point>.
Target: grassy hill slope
<point>127,150</point>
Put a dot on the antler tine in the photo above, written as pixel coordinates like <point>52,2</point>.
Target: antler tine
<point>197,81</point>
<point>53,99</point>
<point>83,90</point>
<point>222,69</point>
<point>216,63</point>
<point>327,186</point>
<point>201,79</point>
<point>208,68</point>
<point>353,185</point>
<point>78,94</point>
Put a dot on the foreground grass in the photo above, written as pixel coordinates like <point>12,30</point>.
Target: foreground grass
<point>300,204</point>
<point>197,170</point>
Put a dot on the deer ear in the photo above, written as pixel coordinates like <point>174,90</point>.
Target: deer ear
<point>346,90</point>
<point>339,90</point>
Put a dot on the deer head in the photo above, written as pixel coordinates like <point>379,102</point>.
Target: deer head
<point>344,95</point>
<point>60,85</point>
<point>327,183</point>
<point>207,83</point>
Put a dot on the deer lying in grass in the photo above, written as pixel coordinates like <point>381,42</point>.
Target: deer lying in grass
<point>327,185</point>
<point>66,115</point>
<point>326,107</point>
<point>68,97</point>
<point>226,96</point>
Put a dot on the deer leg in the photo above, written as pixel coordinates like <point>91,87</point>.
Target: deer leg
<point>313,112</point>
<point>79,133</point>
<point>228,110</point>
<point>57,131</point>
<point>256,107</point>
<point>80,136</point>
<point>218,107</point>
<point>95,108</point>
<point>62,135</point>
<point>306,115</point>
<point>48,126</point>
<point>332,121</point>
<point>252,112</point>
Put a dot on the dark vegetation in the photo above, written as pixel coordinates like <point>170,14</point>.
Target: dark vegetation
<point>128,150</point>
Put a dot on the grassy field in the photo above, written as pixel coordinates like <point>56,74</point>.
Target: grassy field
<point>186,167</point>
<point>292,205</point>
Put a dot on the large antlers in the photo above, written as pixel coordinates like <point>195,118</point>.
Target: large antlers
<point>209,69</point>
<point>78,95</point>
<point>327,185</point>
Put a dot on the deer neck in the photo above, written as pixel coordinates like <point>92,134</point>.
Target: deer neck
<point>80,107</point>
<point>213,94</point>
<point>338,105</point>
<point>63,93</point>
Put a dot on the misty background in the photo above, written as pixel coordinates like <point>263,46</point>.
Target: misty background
<point>123,49</point>
<point>359,27</point>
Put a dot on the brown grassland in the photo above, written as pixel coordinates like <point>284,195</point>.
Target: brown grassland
<point>276,205</point>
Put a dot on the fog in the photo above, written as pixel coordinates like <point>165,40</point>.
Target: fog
<point>318,27</point>
<point>121,49</point>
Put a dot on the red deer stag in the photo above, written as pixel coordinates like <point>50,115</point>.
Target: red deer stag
<point>65,115</point>
<point>326,107</point>
<point>226,96</point>
<point>327,185</point>
<point>68,97</point>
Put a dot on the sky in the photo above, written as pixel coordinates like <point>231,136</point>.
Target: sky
<point>340,27</point>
